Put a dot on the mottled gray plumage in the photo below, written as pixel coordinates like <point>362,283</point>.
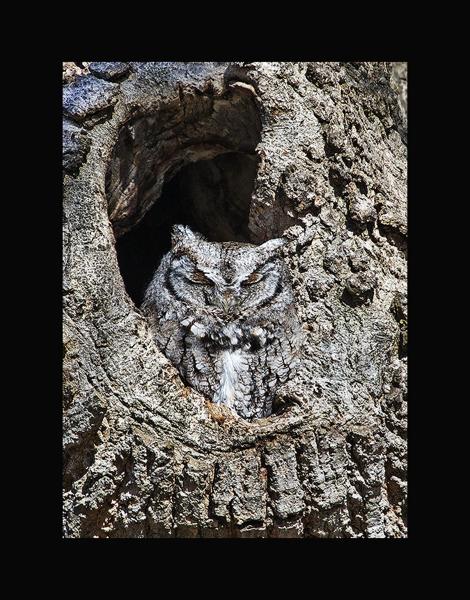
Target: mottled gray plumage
<point>224,314</point>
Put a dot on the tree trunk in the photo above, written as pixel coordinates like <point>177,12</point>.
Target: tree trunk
<point>312,151</point>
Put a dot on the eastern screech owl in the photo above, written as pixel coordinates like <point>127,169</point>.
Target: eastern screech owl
<point>224,315</point>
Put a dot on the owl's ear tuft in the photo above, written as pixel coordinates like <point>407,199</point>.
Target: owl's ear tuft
<point>182,234</point>
<point>272,247</point>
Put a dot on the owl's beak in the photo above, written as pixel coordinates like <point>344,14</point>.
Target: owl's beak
<point>228,302</point>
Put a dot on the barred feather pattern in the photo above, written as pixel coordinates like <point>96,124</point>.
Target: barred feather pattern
<point>224,314</point>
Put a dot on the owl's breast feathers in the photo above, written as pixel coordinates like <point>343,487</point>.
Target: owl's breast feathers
<point>233,336</point>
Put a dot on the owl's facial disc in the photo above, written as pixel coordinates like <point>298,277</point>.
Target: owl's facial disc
<point>229,281</point>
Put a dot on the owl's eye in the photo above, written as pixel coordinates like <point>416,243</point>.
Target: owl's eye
<point>252,279</point>
<point>199,278</point>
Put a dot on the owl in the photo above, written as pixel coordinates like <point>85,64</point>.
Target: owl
<point>223,313</point>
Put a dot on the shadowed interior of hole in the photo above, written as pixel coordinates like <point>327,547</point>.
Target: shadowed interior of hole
<point>213,197</point>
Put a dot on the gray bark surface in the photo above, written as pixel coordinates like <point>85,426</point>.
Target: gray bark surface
<point>147,456</point>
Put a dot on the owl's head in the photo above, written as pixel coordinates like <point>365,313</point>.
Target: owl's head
<point>228,277</point>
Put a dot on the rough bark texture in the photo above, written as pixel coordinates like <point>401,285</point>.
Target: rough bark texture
<point>147,456</point>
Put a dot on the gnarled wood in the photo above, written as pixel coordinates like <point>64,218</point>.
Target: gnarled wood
<point>147,456</point>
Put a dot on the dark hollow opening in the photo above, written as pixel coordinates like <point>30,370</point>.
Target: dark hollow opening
<point>212,196</point>
<point>192,162</point>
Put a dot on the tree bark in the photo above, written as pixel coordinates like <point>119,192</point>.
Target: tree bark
<point>144,454</point>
